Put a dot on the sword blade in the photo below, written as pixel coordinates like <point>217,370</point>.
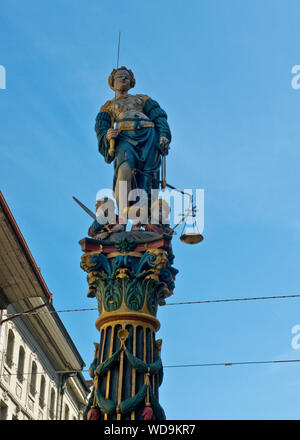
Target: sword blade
<point>163,171</point>
<point>87,210</point>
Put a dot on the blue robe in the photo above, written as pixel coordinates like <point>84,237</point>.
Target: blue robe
<point>140,147</point>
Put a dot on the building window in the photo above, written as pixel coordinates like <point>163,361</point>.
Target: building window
<point>3,411</point>
<point>42,392</point>
<point>10,348</point>
<point>52,404</point>
<point>33,379</point>
<point>21,361</point>
<point>67,412</point>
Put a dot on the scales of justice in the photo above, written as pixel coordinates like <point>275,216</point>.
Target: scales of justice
<point>131,272</point>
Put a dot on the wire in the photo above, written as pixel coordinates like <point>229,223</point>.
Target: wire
<point>226,364</point>
<point>208,364</point>
<point>49,311</point>
<point>207,301</point>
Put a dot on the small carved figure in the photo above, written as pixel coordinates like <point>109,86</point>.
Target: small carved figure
<point>108,224</point>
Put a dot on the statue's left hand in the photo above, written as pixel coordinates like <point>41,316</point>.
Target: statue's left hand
<point>164,145</point>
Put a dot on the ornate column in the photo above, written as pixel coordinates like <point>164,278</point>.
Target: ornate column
<point>130,274</point>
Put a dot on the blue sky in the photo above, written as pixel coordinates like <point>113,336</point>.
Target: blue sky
<point>222,71</point>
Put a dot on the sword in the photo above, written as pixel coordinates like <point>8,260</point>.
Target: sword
<point>163,166</point>
<point>112,142</point>
<point>85,208</point>
<point>163,172</point>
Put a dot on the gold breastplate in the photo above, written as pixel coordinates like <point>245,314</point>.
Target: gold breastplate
<point>129,106</point>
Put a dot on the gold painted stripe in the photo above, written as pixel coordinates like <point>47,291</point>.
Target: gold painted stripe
<point>133,370</point>
<point>102,351</point>
<point>120,382</point>
<point>145,360</point>
<point>108,373</point>
<point>103,343</point>
<point>145,342</point>
<point>152,357</point>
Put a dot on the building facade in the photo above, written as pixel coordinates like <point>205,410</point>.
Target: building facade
<point>40,367</point>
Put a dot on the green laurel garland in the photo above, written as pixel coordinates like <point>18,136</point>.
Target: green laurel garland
<point>108,406</point>
<point>108,364</point>
<point>130,404</point>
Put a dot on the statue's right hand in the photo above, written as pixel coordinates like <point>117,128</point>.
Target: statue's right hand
<point>112,133</point>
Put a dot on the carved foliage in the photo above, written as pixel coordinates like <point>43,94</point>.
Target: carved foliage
<point>129,278</point>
